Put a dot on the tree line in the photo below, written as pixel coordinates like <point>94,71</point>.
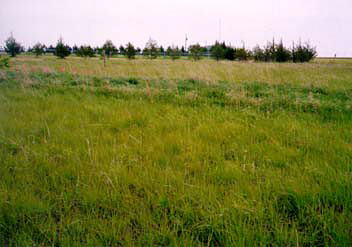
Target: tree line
<point>272,52</point>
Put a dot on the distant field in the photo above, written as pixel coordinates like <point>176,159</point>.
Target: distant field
<point>175,153</point>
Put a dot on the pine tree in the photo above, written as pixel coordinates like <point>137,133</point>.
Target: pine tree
<point>130,51</point>
<point>62,50</point>
<point>12,46</point>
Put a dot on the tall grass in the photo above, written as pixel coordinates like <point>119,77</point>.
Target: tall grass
<point>125,159</point>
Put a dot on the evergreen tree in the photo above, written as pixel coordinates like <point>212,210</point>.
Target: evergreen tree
<point>195,52</point>
<point>281,53</point>
<point>109,48</point>
<point>38,49</point>
<point>217,51</point>
<point>12,46</point>
<point>130,51</point>
<point>230,53</point>
<point>122,50</point>
<point>175,53</point>
<point>151,49</point>
<point>61,49</point>
<point>258,54</point>
<point>162,51</point>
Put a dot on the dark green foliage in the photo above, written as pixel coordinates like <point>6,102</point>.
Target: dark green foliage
<point>281,53</point>
<point>85,51</point>
<point>109,48</point>
<point>195,52</point>
<point>162,51</point>
<point>186,85</point>
<point>4,62</point>
<point>130,51</point>
<point>258,54</point>
<point>287,206</point>
<point>173,52</point>
<point>210,235</point>
<point>38,49</point>
<point>151,49</point>
<point>122,50</point>
<point>133,81</point>
<point>221,51</point>
<point>229,53</point>
<point>61,49</point>
<point>12,46</point>
<point>242,54</point>
<point>303,53</point>
<point>269,52</point>
<point>218,51</point>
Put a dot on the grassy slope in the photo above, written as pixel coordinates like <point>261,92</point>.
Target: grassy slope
<point>165,160</point>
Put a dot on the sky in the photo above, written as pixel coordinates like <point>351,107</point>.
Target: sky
<point>325,24</point>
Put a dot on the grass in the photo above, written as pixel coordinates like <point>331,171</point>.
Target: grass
<point>162,153</point>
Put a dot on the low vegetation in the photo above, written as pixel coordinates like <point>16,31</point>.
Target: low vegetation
<point>175,153</point>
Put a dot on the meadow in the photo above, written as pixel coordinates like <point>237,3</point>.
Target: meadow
<point>175,153</point>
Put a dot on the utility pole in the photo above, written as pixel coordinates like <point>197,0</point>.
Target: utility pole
<point>186,43</point>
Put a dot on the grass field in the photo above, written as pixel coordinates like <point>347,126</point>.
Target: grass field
<point>163,153</point>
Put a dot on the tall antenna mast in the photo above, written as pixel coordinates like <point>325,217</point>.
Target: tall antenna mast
<point>186,43</point>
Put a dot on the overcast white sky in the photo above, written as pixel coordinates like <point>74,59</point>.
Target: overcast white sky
<point>326,24</point>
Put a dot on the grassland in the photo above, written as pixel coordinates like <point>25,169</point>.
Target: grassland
<point>163,153</point>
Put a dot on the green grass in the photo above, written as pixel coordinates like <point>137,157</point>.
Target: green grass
<point>114,160</point>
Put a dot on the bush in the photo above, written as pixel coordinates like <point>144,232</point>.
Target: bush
<point>109,48</point>
<point>38,49</point>
<point>151,49</point>
<point>303,53</point>
<point>85,51</point>
<point>230,53</point>
<point>173,52</point>
<point>4,62</point>
<point>217,51</point>
<point>195,52</point>
<point>12,46</point>
<point>130,51</point>
<point>62,50</point>
<point>242,54</point>
<point>281,53</point>
<point>258,54</point>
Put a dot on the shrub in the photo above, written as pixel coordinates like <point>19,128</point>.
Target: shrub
<point>217,51</point>
<point>258,54</point>
<point>282,54</point>
<point>195,52</point>
<point>4,62</point>
<point>151,49</point>
<point>173,52</point>
<point>109,48</point>
<point>229,53</point>
<point>269,52</point>
<point>85,51</point>
<point>279,53</point>
<point>38,49</point>
<point>162,51</point>
<point>12,46</point>
<point>122,50</point>
<point>242,54</point>
<point>303,53</point>
<point>130,51</point>
<point>62,50</point>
